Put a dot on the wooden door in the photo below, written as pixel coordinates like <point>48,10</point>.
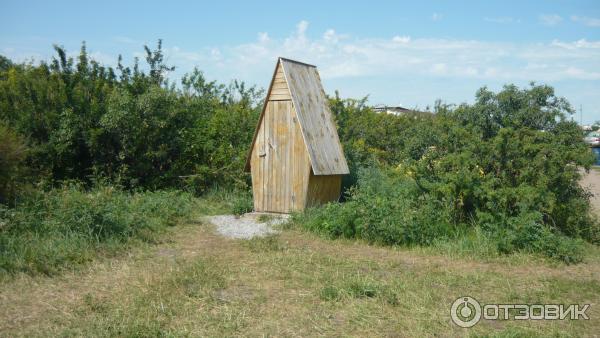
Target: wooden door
<point>277,157</point>
<point>280,164</point>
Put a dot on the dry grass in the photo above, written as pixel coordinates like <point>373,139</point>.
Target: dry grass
<point>293,284</point>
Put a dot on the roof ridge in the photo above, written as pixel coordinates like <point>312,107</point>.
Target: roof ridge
<point>298,62</point>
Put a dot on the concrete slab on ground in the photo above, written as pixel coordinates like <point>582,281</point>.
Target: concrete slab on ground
<point>248,225</point>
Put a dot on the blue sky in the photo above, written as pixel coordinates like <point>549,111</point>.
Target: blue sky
<point>404,53</point>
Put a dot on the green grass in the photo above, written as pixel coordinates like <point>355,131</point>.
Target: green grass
<point>264,244</point>
<point>64,228</point>
<point>290,284</point>
<point>219,201</point>
<point>265,218</point>
<point>294,283</point>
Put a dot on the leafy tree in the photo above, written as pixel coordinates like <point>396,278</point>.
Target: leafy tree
<point>155,59</point>
<point>5,63</point>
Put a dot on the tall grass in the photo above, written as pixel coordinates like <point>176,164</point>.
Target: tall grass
<point>50,231</point>
<point>219,200</point>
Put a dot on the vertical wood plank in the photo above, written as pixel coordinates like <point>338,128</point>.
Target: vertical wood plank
<point>276,162</point>
<point>288,159</point>
<point>262,167</point>
<point>269,155</point>
<point>256,168</point>
<point>284,149</point>
<point>276,165</point>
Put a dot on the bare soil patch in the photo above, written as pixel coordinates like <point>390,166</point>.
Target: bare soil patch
<point>591,181</point>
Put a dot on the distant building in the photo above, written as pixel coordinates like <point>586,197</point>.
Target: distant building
<point>397,110</point>
<point>587,128</point>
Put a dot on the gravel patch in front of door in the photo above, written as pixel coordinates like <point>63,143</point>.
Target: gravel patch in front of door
<point>246,226</point>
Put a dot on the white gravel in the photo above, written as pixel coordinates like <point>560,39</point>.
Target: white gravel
<point>246,226</point>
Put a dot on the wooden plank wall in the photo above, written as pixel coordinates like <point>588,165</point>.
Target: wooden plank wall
<point>257,167</point>
<point>300,166</point>
<point>323,189</point>
<point>279,89</point>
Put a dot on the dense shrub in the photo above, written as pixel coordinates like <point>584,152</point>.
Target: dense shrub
<point>390,209</point>
<point>506,168</point>
<point>84,120</point>
<point>385,210</point>
<point>62,228</point>
<point>12,156</point>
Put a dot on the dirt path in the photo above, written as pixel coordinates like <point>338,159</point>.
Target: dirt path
<point>591,181</point>
<point>200,283</point>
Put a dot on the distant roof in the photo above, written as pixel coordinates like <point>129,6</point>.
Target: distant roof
<point>398,110</point>
<point>314,116</point>
<point>386,108</point>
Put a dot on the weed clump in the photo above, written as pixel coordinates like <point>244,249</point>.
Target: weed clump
<point>358,287</point>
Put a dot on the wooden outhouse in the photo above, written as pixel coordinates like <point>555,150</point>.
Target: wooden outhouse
<point>296,159</point>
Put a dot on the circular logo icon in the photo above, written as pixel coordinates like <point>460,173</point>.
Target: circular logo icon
<point>465,311</point>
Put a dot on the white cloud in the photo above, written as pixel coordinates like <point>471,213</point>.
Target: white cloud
<point>263,37</point>
<point>215,53</point>
<point>331,36</point>
<point>587,21</point>
<point>436,17</point>
<point>439,69</point>
<point>401,39</point>
<point>550,19</point>
<point>101,57</point>
<point>301,28</point>
<point>582,43</point>
<point>582,74</point>
<point>343,56</point>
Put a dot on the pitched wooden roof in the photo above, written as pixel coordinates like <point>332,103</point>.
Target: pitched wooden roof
<point>315,118</point>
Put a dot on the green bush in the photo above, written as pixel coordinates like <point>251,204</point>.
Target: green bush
<point>382,209</point>
<point>502,172</point>
<point>12,156</point>
<point>83,120</point>
<point>390,209</point>
<point>62,228</point>
<point>528,233</point>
